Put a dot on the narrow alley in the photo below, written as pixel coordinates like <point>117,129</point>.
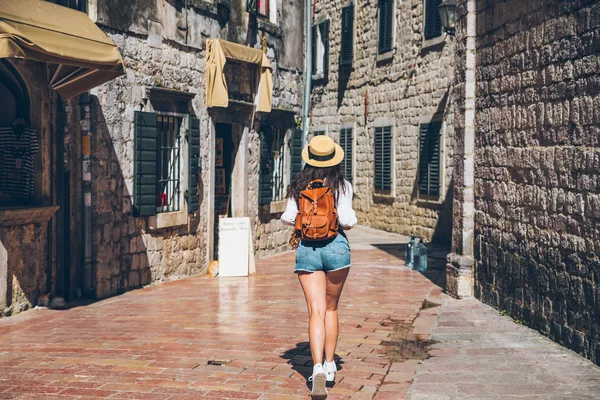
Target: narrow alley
<point>245,338</point>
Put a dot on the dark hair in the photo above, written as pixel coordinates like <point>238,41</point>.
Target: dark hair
<point>331,175</point>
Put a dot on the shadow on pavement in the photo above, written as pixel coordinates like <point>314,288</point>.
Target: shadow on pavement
<point>301,361</point>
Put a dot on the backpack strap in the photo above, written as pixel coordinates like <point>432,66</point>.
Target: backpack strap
<point>318,198</point>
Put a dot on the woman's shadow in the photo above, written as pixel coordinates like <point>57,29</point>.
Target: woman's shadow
<point>301,361</point>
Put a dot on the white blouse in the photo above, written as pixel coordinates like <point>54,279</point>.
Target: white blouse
<point>346,214</point>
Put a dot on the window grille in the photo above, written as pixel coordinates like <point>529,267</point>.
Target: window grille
<point>169,163</point>
<point>278,155</point>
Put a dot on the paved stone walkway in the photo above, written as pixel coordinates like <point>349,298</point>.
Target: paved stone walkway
<point>167,341</point>
<point>245,338</point>
<point>481,355</point>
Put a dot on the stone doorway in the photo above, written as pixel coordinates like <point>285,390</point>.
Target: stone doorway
<point>230,180</point>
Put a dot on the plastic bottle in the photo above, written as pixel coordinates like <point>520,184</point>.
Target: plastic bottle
<point>422,251</point>
<point>409,255</point>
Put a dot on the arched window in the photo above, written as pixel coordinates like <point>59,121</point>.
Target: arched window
<point>18,142</point>
<point>15,99</point>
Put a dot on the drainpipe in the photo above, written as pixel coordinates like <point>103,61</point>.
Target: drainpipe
<point>86,165</point>
<point>307,69</point>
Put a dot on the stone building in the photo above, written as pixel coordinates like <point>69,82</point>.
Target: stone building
<point>382,86</point>
<point>48,53</point>
<point>134,174</point>
<point>165,47</point>
<point>527,197</point>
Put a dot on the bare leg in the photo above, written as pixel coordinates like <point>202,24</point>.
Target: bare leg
<point>335,284</point>
<point>314,287</point>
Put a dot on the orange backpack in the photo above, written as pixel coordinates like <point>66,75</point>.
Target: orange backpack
<point>317,217</point>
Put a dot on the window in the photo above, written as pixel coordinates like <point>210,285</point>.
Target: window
<point>169,163</point>
<point>319,133</point>
<point>274,166</point>
<point>263,8</point>
<point>74,4</point>
<point>346,142</point>
<point>347,45</point>
<point>432,21</point>
<point>158,173</point>
<point>383,158</point>
<point>320,50</point>
<point>429,159</point>
<point>386,26</point>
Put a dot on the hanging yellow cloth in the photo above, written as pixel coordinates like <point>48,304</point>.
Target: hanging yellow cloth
<point>217,53</point>
<point>80,55</point>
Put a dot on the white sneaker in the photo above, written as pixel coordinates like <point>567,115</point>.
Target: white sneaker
<point>330,369</point>
<point>318,378</point>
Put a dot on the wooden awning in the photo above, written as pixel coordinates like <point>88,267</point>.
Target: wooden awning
<point>79,54</point>
<point>217,54</point>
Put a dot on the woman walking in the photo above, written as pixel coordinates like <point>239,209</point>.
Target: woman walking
<point>322,265</point>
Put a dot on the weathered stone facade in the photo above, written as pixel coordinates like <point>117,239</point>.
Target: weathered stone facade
<point>407,88</point>
<point>163,44</point>
<point>128,252</point>
<point>537,163</point>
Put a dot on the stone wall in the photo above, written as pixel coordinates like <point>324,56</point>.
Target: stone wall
<point>537,186</point>
<point>410,87</point>
<point>271,236</point>
<point>27,257</point>
<point>128,253</point>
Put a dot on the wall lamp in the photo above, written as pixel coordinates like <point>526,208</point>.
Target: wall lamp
<point>447,10</point>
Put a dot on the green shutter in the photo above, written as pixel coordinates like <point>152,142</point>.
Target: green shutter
<point>387,158</point>
<point>296,152</point>
<point>433,22</point>
<point>347,45</point>
<point>265,193</point>
<point>429,159</point>
<point>378,159</point>
<point>383,158</point>
<point>145,161</point>
<point>386,25</point>
<point>194,164</point>
<point>346,144</point>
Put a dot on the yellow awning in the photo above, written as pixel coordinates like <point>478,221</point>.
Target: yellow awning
<point>81,56</point>
<point>217,53</point>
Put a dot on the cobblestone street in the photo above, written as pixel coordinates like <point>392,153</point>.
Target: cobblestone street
<point>168,341</point>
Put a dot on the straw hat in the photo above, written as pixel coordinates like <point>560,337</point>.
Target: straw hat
<point>322,151</point>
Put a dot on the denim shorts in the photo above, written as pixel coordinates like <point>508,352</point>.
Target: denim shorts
<point>327,256</point>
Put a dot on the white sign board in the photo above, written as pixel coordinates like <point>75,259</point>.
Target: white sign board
<point>236,253</point>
